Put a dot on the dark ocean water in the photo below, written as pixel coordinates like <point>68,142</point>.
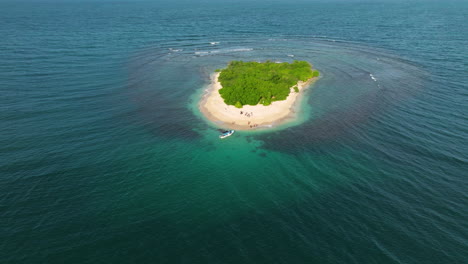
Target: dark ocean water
<point>105,158</point>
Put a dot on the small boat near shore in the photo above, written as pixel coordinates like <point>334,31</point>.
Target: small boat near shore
<point>226,133</point>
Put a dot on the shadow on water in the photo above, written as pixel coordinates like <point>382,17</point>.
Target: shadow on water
<point>156,90</point>
<point>332,128</point>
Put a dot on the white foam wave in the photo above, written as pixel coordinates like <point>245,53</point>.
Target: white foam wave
<point>238,50</point>
<point>202,53</point>
<point>372,77</point>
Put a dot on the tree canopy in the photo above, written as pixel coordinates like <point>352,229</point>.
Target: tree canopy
<point>252,83</point>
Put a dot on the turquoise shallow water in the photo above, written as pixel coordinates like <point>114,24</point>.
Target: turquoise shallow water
<point>106,159</point>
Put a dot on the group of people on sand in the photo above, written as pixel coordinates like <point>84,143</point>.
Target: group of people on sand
<point>253,125</point>
<point>246,114</point>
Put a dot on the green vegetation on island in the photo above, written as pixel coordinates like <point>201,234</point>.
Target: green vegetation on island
<point>252,83</point>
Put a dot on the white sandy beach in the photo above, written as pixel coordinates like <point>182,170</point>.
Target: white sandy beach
<point>248,117</point>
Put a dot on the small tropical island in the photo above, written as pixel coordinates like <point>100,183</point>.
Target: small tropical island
<point>250,95</point>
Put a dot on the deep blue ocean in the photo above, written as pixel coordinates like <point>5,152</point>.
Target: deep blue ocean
<point>105,157</point>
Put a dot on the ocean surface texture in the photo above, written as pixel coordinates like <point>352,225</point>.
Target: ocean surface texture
<point>105,157</point>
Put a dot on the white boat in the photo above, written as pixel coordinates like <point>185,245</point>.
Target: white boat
<point>226,134</point>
